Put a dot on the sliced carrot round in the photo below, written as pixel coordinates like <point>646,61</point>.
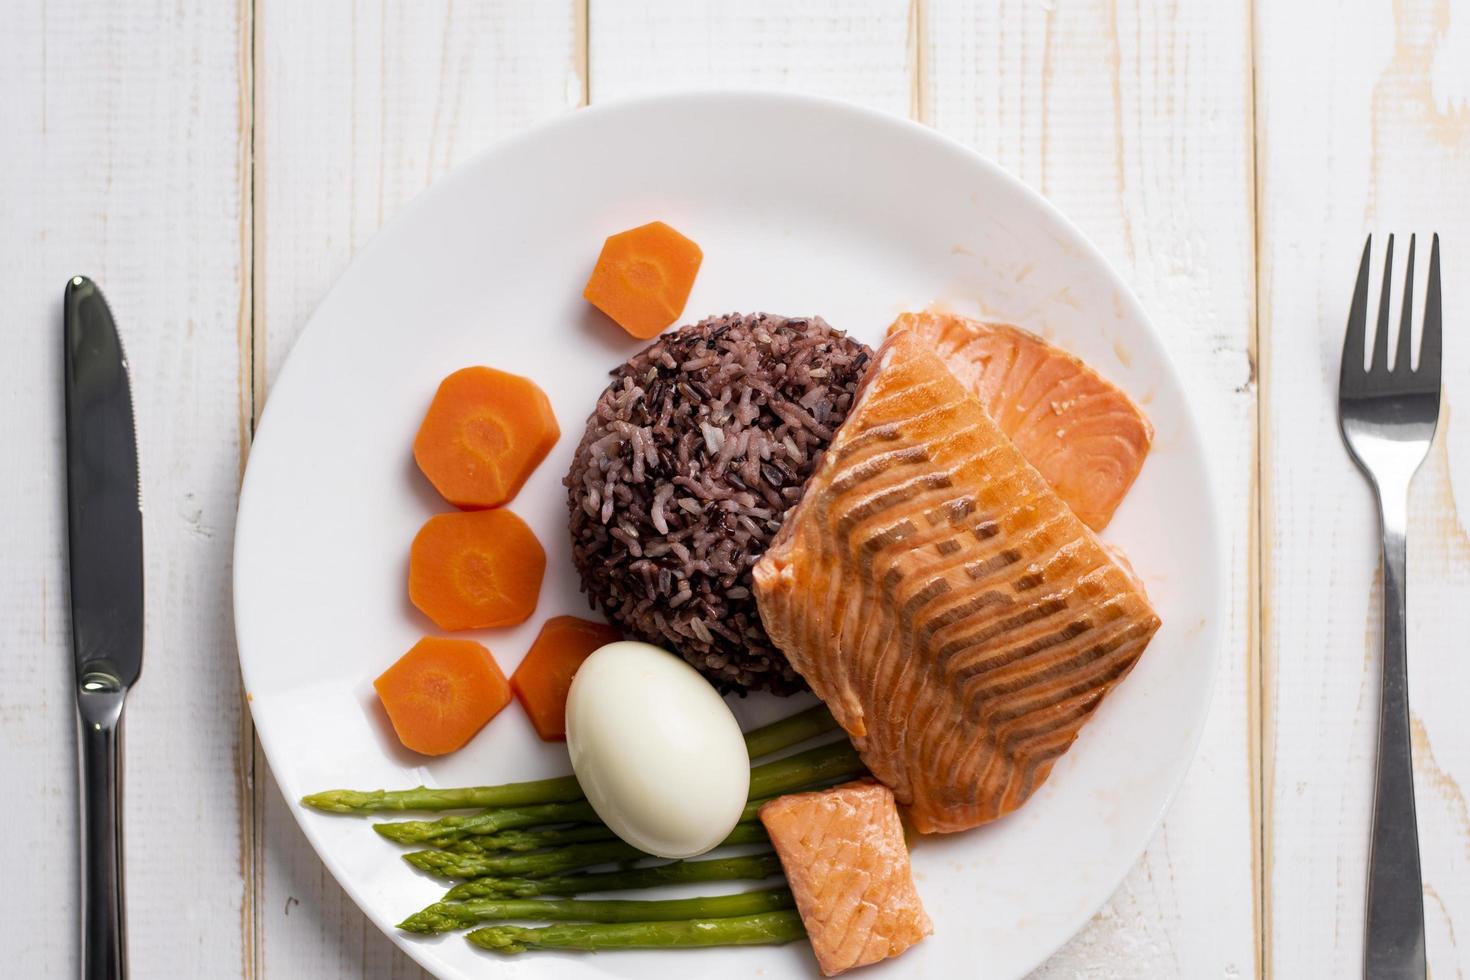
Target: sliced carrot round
<point>441,692</point>
<point>544,677</point>
<point>643,278</point>
<point>483,435</point>
<point>475,569</point>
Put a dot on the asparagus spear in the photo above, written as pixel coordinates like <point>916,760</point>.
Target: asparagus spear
<point>741,930</point>
<point>445,829</point>
<point>818,765</point>
<point>449,916</point>
<point>444,864</point>
<point>790,731</point>
<point>562,789</point>
<point>529,840</point>
<point>752,867</point>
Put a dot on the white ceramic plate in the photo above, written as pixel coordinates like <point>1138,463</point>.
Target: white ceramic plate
<point>801,206</point>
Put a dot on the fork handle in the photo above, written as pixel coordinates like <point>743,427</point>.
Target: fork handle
<point>1394,948</point>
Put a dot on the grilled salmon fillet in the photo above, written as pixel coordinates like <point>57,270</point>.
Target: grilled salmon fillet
<point>1080,431</point>
<point>844,855</point>
<point>958,619</point>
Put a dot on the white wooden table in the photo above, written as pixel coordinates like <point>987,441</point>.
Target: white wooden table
<point>216,166</point>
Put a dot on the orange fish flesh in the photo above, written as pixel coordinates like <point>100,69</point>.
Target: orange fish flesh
<point>958,619</point>
<point>1080,431</point>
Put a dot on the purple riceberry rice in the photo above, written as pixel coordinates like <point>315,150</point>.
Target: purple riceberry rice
<point>690,461</point>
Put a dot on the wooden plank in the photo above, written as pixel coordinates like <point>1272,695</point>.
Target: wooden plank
<point>859,52</point>
<point>1135,120</point>
<point>1363,126</point>
<point>123,125</point>
<point>359,106</point>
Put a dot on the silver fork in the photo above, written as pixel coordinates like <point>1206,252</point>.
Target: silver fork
<point>1388,416</point>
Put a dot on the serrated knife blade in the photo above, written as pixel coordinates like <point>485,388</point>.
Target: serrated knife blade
<point>105,538</point>
<point>104,519</point>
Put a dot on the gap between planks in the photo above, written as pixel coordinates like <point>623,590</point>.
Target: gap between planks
<point>251,390</point>
<point>918,43</point>
<point>1260,731</point>
<point>582,48</point>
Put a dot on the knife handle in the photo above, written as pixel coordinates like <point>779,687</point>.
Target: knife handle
<point>99,743</point>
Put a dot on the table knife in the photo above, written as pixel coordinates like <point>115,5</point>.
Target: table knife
<point>105,552</point>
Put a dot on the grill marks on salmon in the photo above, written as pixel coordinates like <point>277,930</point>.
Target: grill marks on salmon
<point>844,856</point>
<point>955,615</point>
<point>1080,431</point>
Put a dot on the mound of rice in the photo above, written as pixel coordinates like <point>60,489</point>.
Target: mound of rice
<point>691,459</point>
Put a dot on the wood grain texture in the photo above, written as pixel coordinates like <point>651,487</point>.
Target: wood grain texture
<point>856,51</point>
<point>1364,125</point>
<point>216,167</point>
<point>358,107</point>
<point>122,133</point>
<point>1134,118</point>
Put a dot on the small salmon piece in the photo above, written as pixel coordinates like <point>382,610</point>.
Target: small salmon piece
<point>845,857</point>
<point>959,620</point>
<point>1080,431</point>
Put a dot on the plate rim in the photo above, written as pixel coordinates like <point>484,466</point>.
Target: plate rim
<point>760,99</point>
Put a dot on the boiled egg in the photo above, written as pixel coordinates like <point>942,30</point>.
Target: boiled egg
<point>656,749</point>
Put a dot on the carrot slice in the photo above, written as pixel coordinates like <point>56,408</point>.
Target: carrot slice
<point>441,692</point>
<point>475,569</point>
<point>542,680</point>
<point>484,433</point>
<point>643,277</point>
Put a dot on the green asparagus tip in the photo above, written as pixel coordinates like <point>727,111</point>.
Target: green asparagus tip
<point>492,887</point>
<point>396,831</point>
<point>337,800</point>
<point>430,861</point>
<point>500,939</point>
<point>426,921</point>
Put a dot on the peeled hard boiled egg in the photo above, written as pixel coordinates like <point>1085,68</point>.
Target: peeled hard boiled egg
<point>656,749</point>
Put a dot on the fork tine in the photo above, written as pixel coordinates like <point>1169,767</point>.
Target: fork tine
<point>1352,344</point>
<point>1403,352</point>
<point>1429,347</point>
<point>1379,362</point>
